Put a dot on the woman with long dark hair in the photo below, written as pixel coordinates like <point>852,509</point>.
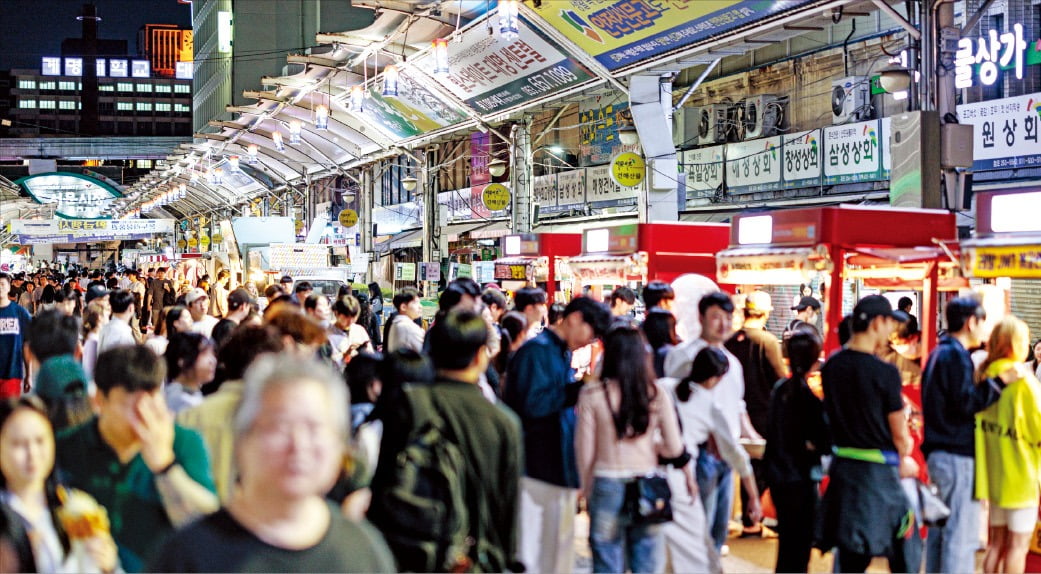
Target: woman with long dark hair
<point>376,301</point>
<point>29,488</point>
<point>660,329</point>
<point>619,421</point>
<point>367,319</point>
<point>796,438</point>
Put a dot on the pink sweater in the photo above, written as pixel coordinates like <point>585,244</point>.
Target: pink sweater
<point>598,448</point>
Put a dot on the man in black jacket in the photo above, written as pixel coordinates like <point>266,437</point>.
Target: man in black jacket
<point>160,294</point>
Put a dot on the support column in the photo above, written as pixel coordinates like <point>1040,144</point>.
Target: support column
<point>523,177</point>
<point>431,226</point>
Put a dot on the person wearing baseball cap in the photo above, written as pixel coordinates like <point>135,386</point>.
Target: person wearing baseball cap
<point>99,293</point>
<point>198,302</point>
<point>865,509</point>
<point>240,304</point>
<point>759,352</point>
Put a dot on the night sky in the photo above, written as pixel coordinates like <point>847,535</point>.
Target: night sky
<point>30,29</point>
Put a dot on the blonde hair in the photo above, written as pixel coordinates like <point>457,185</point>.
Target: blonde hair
<point>1010,339</point>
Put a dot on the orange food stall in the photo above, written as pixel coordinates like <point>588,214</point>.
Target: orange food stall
<point>537,259</point>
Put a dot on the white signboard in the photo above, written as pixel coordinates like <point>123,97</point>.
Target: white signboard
<point>1005,132</point>
<point>90,227</point>
<point>118,68</point>
<point>140,68</point>
<point>184,70</point>
<point>571,187</point>
<point>602,191</point>
<point>544,193</point>
<point>73,66</point>
<point>491,73</point>
<point>50,66</point>
<point>704,170</point>
<point>484,271</point>
<point>458,202</point>
<point>802,159</point>
<point>852,153</point>
<point>754,165</point>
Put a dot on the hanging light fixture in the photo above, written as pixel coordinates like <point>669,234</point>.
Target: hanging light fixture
<point>276,138</point>
<point>358,98</point>
<point>509,20</point>
<point>182,191</point>
<point>409,183</point>
<point>321,117</point>
<point>233,162</point>
<point>218,175</point>
<point>496,167</point>
<point>295,129</point>
<point>390,81</point>
<point>251,153</point>
<point>441,56</point>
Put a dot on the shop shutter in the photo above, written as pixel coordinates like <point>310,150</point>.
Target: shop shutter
<point>1026,303</point>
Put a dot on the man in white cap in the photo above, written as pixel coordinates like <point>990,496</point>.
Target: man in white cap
<point>198,302</point>
<point>760,354</point>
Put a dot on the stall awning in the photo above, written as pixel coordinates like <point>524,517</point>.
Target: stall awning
<point>770,265</point>
<point>609,269</point>
<point>455,231</point>
<point>411,238</point>
<point>492,230</point>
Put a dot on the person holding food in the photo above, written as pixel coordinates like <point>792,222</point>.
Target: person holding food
<point>68,530</point>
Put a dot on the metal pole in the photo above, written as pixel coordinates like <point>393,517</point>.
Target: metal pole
<point>522,178</point>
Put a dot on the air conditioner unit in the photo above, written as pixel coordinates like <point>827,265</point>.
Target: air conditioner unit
<point>761,116</point>
<point>850,100</point>
<point>685,127</point>
<point>715,124</point>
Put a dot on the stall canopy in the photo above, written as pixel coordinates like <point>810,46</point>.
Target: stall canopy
<point>786,247</point>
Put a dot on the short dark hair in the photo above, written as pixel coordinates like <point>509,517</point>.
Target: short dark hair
<point>303,286</point>
<point>120,300</point>
<point>274,290</point>
<point>455,292</point>
<point>660,328</point>
<point>311,302</point>
<point>655,292</point>
<point>904,303</point>
<point>625,294</point>
<point>526,296</point>
<point>514,324</point>
<point>347,305</point>
<point>960,310</point>
<point>555,312</point>
<point>494,297</point>
<point>456,339</point>
<point>130,367</point>
<point>804,350</point>
<point>5,276</point>
<point>594,313</point>
<point>405,296</point>
<point>183,350</point>
<point>716,299</point>
<point>53,333</point>
<point>245,344</point>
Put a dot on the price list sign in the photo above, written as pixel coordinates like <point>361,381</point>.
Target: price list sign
<point>703,170</point>
<point>852,153</point>
<point>801,160</point>
<point>754,166</point>
<point>1005,132</point>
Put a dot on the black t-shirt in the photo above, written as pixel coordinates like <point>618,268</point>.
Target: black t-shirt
<point>860,391</point>
<point>760,354</point>
<point>218,543</point>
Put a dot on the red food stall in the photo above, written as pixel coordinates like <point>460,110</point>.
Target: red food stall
<point>885,247</point>
<point>536,258</point>
<point>642,252</point>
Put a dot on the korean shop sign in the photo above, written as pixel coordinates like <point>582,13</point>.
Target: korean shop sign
<point>703,168</point>
<point>852,153</point>
<point>1020,261</point>
<point>627,169</point>
<point>754,165</point>
<point>801,160</point>
<point>978,60</point>
<point>1005,134</point>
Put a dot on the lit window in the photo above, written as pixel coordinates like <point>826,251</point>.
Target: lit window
<point>48,104</point>
<point>27,84</point>
<point>108,88</point>
<point>27,104</point>
<point>144,87</point>
<point>162,107</point>
<point>66,105</point>
<point>47,85</point>
<point>144,106</point>
<point>165,88</point>
<point>182,88</point>
<point>125,87</point>
<point>144,164</point>
<point>72,86</point>
<point>124,106</point>
<point>181,108</point>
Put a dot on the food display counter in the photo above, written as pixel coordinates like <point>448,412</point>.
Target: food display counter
<point>537,259</point>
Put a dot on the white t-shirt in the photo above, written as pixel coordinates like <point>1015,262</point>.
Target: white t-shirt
<point>115,333</point>
<point>205,325</point>
<point>728,395</point>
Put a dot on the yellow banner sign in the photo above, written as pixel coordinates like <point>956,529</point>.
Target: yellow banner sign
<point>1019,261</point>
<point>348,218</point>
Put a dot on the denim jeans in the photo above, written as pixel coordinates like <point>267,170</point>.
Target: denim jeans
<point>716,487</point>
<point>952,547</point>
<point>615,543</point>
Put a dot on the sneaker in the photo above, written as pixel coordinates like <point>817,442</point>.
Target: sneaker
<point>725,550</point>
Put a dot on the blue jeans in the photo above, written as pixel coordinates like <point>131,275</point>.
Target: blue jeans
<point>952,547</point>
<point>716,487</point>
<point>613,541</point>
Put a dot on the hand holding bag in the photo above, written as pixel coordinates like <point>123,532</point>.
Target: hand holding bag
<point>934,510</point>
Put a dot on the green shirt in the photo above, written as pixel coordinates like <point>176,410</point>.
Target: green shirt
<point>128,491</point>
<point>1008,444</point>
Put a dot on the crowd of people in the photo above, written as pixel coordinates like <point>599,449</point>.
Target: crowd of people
<point>148,427</point>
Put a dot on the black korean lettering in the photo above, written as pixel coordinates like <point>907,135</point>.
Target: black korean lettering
<point>1030,126</point>
<point>1010,132</point>
<point>845,153</point>
<point>988,134</point>
<point>833,155</point>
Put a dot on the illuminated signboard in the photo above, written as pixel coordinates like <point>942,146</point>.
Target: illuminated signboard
<point>184,70</point>
<point>100,65</point>
<point>524,244</point>
<point>981,58</point>
<point>756,229</point>
<point>621,239</point>
<point>118,68</point>
<point>140,69</point>
<point>50,67</point>
<point>73,66</point>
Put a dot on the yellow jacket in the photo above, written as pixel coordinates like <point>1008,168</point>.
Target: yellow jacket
<point>1008,444</point>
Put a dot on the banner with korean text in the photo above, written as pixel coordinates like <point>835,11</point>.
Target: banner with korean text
<point>1005,132</point>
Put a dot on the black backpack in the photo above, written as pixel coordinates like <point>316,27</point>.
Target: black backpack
<point>424,514</point>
